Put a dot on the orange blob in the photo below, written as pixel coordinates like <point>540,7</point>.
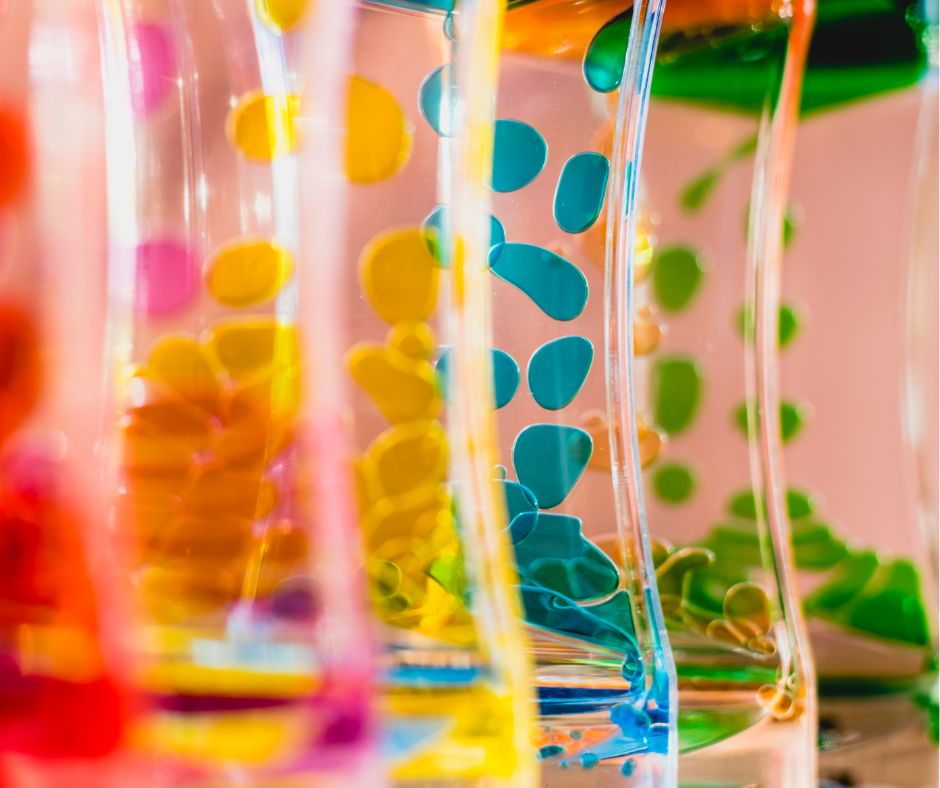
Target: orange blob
<point>12,156</point>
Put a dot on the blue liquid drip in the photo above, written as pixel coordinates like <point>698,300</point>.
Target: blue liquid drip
<point>549,459</point>
<point>431,104</point>
<point>580,191</point>
<point>606,55</point>
<point>506,375</point>
<point>555,285</point>
<point>519,155</point>
<point>554,554</point>
<point>435,229</point>
<point>558,369</point>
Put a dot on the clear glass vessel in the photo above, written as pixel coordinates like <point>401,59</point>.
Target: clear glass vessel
<point>399,131</point>
<point>249,644</point>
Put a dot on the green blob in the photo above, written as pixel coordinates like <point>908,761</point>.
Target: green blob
<point>696,194</point>
<point>677,388</point>
<point>674,483</point>
<point>790,223</point>
<point>606,55</point>
<point>799,505</point>
<point>851,576</point>
<point>448,571</point>
<point>677,273</point>
<point>788,325</point>
<point>815,548</point>
<point>791,420</point>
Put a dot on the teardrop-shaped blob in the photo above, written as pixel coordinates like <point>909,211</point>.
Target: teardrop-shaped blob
<point>437,110</point>
<point>506,376</point>
<point>262,127</point>
<point>555,285</point>
<point>435,227</point>
<point>677,387</point>
<point>558,369</point>
<point>399,274</point>
<point>379,141</point>
<point>549,459</point>
<point>152,68</point>
<point>606,55</point>
<point>580,191</point>
<point>248,272</point>
<point>519,155</point>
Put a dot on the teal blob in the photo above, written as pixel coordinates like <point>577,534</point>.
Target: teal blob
<point>580,191</point>
<point>555,285</point>
<point>519,155</point>
<point>521,526</point>
<point>555,555</point>
<point>519,500</point>
<point>550,751</point>
<point>549,459</point>
<point>435,227</point>
<point>558,369</point>
<point>618,610</point>
<point>434,109</point>
<point>606,55</point>
<point>506,375</point>
<point>677,388</point>
<point>557,613</point>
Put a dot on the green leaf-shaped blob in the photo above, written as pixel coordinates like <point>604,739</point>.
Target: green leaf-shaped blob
<point>606,55</point>
<point>677,387</point>
<point>677,274</point>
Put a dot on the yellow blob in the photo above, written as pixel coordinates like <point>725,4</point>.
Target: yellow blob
<point>244,347</point>
<point>390,519</point>
<point>476,741</point>
<point>233,490</point>
<point>179,363</point>
<point>248,272</point>
<point>379,136</point>
<point>244,739</point>
<point>280,14</point>
<point>412,338</point>
<point>144,448</point>
<point>404,389</point>
<point>185,588</point>
<point>409,457</point>
<point>399,275</point>
<point>262,127</point>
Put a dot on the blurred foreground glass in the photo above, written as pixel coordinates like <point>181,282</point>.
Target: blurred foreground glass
<point>249,642</point>
<point>61,705</point>
<point>394,213</point>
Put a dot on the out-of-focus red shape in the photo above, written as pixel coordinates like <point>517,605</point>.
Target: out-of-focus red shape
<point>12,156</point>
<point>19,360</point>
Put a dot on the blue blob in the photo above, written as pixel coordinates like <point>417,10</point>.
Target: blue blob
<point>558,369</point>
<point>551,552</point>
<point>519,155</point>
<point>589,760</point>
<point>434,228</point>
<point>506,375</point>
<point>633,723</point>
<point>658,737</point>
<point>518,498</point>
<point>550,751</point>
<point>628,766</point>
<point>580,191</point>
<point>555,285</point>
<point>437,112</point>
<point>549,459</point>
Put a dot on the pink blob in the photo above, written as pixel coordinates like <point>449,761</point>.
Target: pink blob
<point>152,66</point>
<point>166,277</point>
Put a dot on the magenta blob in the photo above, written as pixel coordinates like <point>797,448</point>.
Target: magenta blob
<point>166,277</point>
<point>152,66</point>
